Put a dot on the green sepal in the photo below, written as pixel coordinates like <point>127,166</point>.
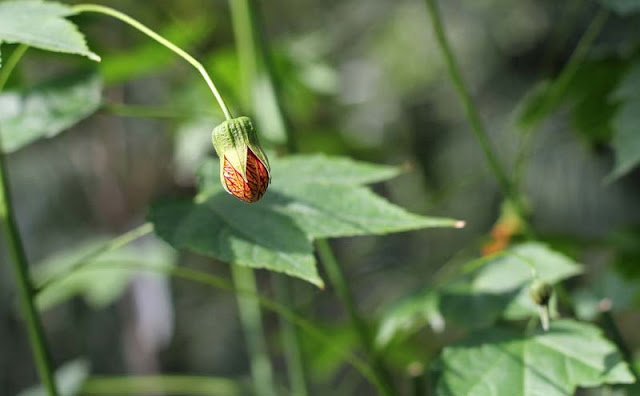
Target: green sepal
<point>231,140</point>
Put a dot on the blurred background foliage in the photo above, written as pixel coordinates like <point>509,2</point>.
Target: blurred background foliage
<point>359,78</point>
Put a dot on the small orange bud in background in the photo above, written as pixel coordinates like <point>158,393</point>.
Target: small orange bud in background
<point>244,168</point>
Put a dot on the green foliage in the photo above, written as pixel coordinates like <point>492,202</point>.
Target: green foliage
<point>48,109</point>
<point>501,361</point>
<point>100,280</point>
<point>626,123</point>
<point>489,288</point>
<point>42,24</point>
<point>321,198</point>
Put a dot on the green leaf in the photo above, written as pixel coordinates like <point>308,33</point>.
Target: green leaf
<point>606,287</point>
<point>69,377</point>
<point>626,124</point>
<point>622,6</point>
<point>42,25</point>
<point>102,279</point>
<point>249,235</point>
<point>310,197</point>
<point>554,363</point>
<point>47,110</point>
<point>498,285</point>
<point>409,315</point>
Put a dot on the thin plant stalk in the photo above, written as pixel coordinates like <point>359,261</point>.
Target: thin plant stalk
<point>477,126</point>
<point>80,8</point>
<point>338,281</point>
<point>11,63</point>
<point>19,262</point>
<point>251,318</point>
<point>254,55</point>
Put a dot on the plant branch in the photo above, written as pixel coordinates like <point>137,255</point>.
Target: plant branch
<point>344,293</point>
<point>162,384</point>
<point>168,44</point>
<point>506,185</point>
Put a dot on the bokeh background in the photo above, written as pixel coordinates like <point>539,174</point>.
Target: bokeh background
<point>361,78</point>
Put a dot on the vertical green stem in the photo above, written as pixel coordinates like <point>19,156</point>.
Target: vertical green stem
<point>290,341</point>
<point>254,55</point>
<point>19,261</point>
<point>244,279</point>
<point>477,126</point>
<point>344,293</point>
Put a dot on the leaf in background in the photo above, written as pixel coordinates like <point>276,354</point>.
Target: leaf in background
<point>587,95</point>
<point>626,123</point>
<point>502,362</point>
<point>320,198</point>
<point>102,279</point>
<point>409,315</point>
<point>499,284</point>
<point>152,57</point>
<point>69,377</point>
<point>47,110</point>
<point>42,25</point>
<point>608,288</point>
<point>622,6</point>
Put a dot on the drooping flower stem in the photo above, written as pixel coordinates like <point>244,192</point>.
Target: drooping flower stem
<point>18,259</point>
<point>477,126</point>
<point>80,8</point>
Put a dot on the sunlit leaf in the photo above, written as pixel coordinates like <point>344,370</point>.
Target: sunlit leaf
<point>47,110</point>
<point>498,285</point>
<point>42,24</point>
<point>310,197</point>
<point>409,315</point>
<point>554,363</point>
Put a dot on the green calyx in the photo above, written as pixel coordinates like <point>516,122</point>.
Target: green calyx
<point>233,138</point>
<point>540,292</point>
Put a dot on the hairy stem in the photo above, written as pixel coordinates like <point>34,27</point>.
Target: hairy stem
<point>339,283</point>
<point>251,318</point>
<point>168,44</point>
<point>477,126</point>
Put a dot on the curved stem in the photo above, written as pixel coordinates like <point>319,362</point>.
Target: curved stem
<point>506,185</point>
<point>144,29</point>
<point>11,63</point>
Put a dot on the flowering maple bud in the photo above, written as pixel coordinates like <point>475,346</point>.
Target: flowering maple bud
<point>244,168</point>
